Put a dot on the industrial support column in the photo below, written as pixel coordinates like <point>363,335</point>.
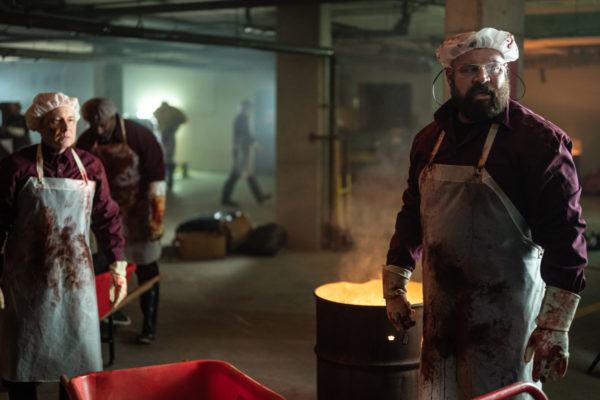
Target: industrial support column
<point>472,15</point>
<point>302,113</point>
<point>108,82</point>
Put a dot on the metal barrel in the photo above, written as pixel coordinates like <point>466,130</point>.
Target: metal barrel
<point>360,355</point>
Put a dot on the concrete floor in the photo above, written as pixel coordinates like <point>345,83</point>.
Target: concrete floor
<point>258,313</point>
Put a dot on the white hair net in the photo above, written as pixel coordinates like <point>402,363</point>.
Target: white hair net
<point>487,38</point>
<point>44,103</point>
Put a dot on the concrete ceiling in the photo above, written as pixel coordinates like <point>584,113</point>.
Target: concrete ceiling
<point>203,33</point>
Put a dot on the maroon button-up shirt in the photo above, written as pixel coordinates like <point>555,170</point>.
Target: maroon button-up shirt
<point>16,169</point>
<point>531,161</point>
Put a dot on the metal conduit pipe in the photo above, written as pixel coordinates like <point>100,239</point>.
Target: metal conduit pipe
<point>53,22</point>
<point>207,6</point>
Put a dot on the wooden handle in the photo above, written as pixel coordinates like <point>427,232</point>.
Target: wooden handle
<point>144,287</point>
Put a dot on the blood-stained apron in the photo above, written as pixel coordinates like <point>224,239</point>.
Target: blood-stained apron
<point>482,284</point>
<point>50,322</point>
<point>126,188</point>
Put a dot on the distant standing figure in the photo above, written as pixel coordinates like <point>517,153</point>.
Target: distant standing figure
<point>14,126</point>
<point>169,119</point>
<point>244,146</point>
<point>135,169</point>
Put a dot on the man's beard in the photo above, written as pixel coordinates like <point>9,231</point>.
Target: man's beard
<point>481,110</point>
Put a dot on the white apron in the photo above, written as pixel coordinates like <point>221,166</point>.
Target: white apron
<point>122,172</point>
<point>482,285</point>
<point>50,323</point>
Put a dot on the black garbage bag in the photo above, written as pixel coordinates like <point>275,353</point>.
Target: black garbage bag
<point>264,240</point>
<point>202,223</point>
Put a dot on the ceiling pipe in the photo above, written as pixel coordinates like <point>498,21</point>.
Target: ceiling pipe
<point>52,22</point>
<point>37,55</point>
<point>205,6</point>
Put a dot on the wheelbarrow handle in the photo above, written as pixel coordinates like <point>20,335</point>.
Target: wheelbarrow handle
<point>514,389</point>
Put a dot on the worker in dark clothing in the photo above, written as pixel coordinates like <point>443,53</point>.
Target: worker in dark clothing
<point>134,165</point>
<point>14,126</point>
<point>492,206</point>
<point>169,119</point>
<point>244,147</point>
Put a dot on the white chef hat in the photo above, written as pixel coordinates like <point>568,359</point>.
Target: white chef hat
<point>487,38</point>
<point>44,103</point>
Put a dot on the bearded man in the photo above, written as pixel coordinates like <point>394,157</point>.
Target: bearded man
<point>492,206</point>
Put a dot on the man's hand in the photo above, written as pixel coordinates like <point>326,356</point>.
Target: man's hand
<point>548,345</point>
<point>397,306</point>
<point>1,300</point>
<point>117,289</point>
<point>551,349</point>
<point>157,209</point>
<point>399,312</point>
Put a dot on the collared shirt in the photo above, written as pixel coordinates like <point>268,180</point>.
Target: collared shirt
<point>142,141</point>
<point>16,169</point>
<point>531,162</point>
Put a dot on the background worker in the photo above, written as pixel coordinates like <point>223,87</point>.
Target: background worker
<point>169,119</point>
<point>48,309</point>
<point>244,148</point>
<point>134,165</point>
<point>492,205</point>
<point>14,126</point>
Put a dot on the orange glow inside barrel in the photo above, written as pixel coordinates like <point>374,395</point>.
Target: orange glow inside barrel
<point>365,294</point>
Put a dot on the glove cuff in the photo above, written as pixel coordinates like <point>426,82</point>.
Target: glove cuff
<point>558,309</point>
<point>118,268</point>
<point>394,280</point>
<point>403,272</point>
<point>156,189</point>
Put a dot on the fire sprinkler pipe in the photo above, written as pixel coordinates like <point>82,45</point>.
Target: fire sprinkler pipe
<point>53,22</point>
<point>339,235</point>
<point>208,6</point>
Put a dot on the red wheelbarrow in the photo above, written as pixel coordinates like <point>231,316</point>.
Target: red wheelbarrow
<point>204,379</point>
<point>514,389</point>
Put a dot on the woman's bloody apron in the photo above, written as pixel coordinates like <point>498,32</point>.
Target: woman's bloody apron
<point>50,322</point>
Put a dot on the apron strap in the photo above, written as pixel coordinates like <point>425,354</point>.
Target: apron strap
<point>436,147</point>
<point>123,130</point>
<point>80,166</point>
<point>488,145</point>
<point>39,164</point>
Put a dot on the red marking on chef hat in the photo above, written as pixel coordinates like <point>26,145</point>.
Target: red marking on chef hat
<point>486,38</point>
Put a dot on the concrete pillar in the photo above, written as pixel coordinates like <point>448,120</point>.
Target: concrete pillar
<point>472,15</point>
<point>108,82</point>
<point>302,98</point>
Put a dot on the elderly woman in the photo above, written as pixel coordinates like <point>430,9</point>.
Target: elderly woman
<point>48,194</point>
